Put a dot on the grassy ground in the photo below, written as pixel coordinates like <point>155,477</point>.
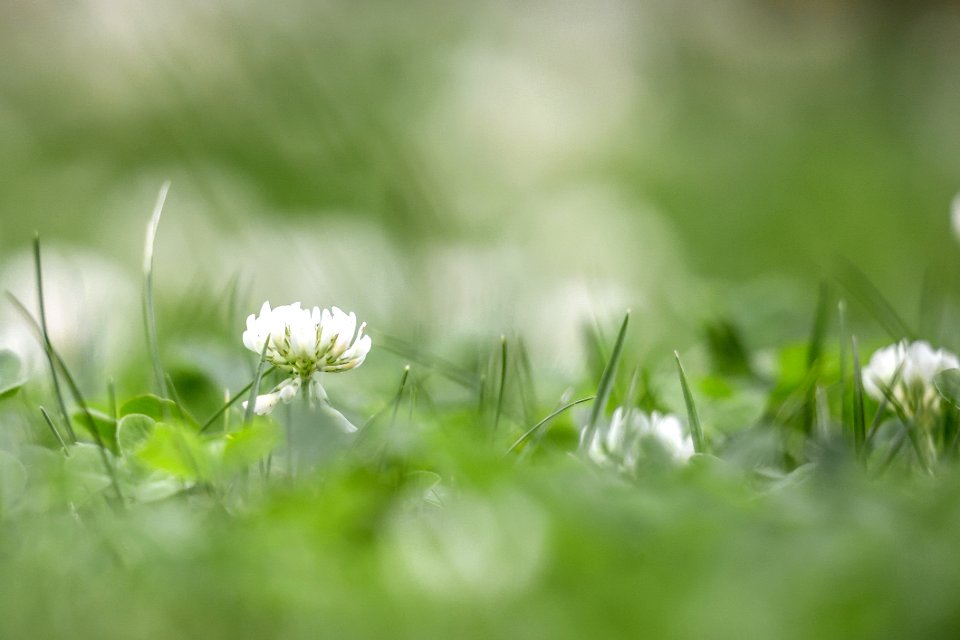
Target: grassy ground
<point>765,186</point>
<point>803,514</point>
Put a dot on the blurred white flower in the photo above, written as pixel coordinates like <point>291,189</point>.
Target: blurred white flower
<point>629,435</point>
<point>906,371</point>
<point>89,302</point>
<point>304,343</point>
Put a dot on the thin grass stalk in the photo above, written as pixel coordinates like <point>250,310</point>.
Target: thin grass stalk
<point>74,391</point>
<point>47,348</point>
<point>56,433</point>
<point>532,430</point>
<point>232,401</point>
<point>149,317</point>
<point>859,412</point>
<point>606,381</point>
<point>503,382</point>
<point>693,416</point>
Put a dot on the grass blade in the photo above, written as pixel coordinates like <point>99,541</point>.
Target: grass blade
<point>842,330</point>
<point>410,352</point>
<point>532,430</point>
<point>858,284</point>
<point>255,385</point>
<point>149,317</point>
<point>47,348</point>
<point>399,396</point>
<point>528,391</point>
<point>503,382</point>
<point>606,381</point>
<point>56,433</point>
<point>814,352</point>
<point>74,391</point>
<point>696,430</point>
<point>232,401</point>
<point>859,413</point>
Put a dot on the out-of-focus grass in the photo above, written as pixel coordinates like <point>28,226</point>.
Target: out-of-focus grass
<point>765,137</point>
<point>455,174</point>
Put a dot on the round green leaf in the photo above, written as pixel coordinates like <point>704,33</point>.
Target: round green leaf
<point>176,450</point>
<point>132,431</point>
<point>948,384</point>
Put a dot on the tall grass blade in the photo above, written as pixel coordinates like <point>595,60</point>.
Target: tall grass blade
<point>149,317</point>
<point>45,341</point>
<point>399,396</point>
<point>859,413</point>
<point>814,352</point>
<point>112,399</point>
<point>449,370</point>
<point>56,433</point>
<point>75,392</point>
<point>842,331</point>
<point>503,382</point>
<point>255,385</point>
<point>232,401</point>
<point>696,429</point>
<point>532,430</point>
<point>606,381</point>
<point>858,284</point>
<point>528,391</point>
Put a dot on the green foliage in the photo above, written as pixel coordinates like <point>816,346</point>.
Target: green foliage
<point>173,449</point>
<point>948,384</point>
<point>133,430</point>
<point>105,426</point>
<point>249,445</point>
<point>157,408</point>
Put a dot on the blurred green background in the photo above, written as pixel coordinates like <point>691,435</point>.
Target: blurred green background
<point>453,172</point>
<point>478,168</point>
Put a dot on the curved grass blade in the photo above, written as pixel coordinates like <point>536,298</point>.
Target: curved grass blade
<point>255,385</point>
<point>814,352</point>
<point>399,396</point>
<point>45,342</point>
<point>858,284</point>
<point>696,430</point>
<point>532,430</point>
<point>606,381</point>
<point>446,368</point>
<point>859,413</point>
<point>74,391</point>
<point>149,318</point>
<point>503,382</point>
<point>56,433</point>
<point>231,401</point>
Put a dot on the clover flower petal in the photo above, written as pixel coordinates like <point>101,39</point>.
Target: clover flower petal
<point>906,371</point>
<point>625,440</point>
<point>304,343</point>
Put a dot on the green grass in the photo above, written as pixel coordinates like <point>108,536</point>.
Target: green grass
<point>435,520</point>
<point>704,164</point>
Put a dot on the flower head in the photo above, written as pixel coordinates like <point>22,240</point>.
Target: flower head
<point>906,371</point>
<point>304,343</point>
<point>630,434</point>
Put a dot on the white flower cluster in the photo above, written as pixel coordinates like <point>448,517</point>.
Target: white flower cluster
<point>632,433</point>
<point>906,371</point>
<point>304,343</point>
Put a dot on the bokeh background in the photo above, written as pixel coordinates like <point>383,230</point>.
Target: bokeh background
<point>460,170</point>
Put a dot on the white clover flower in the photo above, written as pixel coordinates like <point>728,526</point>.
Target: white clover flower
<point>907,370</point>
<point>304,343</point>
<point>625,440</point>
